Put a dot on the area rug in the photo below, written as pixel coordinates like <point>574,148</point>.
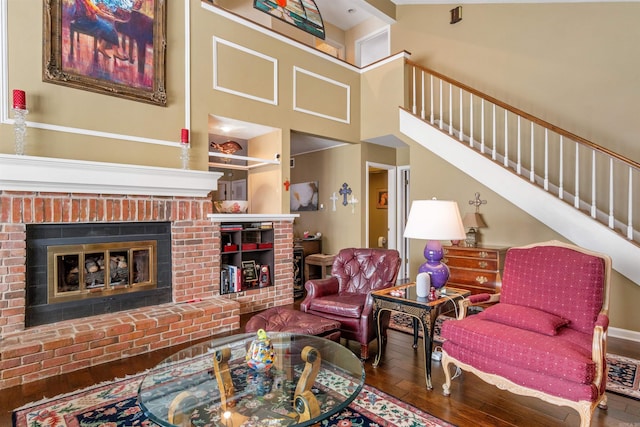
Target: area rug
<point>114,404</point>
<point>623,376</point>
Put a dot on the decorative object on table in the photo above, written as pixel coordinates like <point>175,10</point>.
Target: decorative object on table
<point>261,356</point>
<point>135,77</point>
<point>423,284</point>
<point>303,14</point>
<point>382,201</point>
<point>184,148</point>
<point>434,220</point>
<point>474,221</point>
<point>304,196</point>
<point>345,191</point>
<point>20,119</point>
<point>231,206</point>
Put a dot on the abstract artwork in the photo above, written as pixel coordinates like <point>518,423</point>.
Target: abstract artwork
<point>303,196</point>
<point>303,14</point>
<point>114,47</point>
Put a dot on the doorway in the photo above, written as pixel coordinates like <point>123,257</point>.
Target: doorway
<point>381,206</point>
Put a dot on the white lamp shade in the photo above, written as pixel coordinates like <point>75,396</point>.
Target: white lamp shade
<point>434,220</point>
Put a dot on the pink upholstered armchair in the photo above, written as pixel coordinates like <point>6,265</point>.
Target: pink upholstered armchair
<point>346,295</point>
<point>547,335</point>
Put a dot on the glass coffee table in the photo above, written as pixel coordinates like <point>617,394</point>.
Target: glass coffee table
<point>211,384</point>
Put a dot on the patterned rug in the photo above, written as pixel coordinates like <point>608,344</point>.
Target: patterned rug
<point>114,404</point>
<point>624,372</point>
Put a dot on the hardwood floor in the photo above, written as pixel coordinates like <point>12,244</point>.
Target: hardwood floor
<point>401,374</point>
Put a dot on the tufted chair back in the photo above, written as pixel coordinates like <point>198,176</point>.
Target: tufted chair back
<point>361,270</point>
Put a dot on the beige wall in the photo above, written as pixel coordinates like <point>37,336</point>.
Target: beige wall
<point>574,65</point>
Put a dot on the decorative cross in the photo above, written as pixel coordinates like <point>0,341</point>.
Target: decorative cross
<point>344,192</point>
<point>334,199</point>
<point>477,202</point>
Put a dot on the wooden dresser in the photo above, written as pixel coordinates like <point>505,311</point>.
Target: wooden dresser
<point>476,269</point>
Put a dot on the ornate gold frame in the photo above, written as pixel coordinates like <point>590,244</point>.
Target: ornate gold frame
<point>53,70</point>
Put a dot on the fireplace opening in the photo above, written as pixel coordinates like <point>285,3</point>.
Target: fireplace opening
<point>80,270</point>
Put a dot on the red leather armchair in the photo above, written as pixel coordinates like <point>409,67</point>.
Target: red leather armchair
<point>346,295</point>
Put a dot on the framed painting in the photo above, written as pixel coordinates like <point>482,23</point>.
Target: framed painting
<point>383,199</point>
<point>303,14</point>
<point>303,196</point>
<point>113,47</point>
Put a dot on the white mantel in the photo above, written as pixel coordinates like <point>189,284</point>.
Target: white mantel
<point>30,173</point>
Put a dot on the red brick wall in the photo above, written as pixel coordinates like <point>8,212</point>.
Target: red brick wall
<point>30,354</point>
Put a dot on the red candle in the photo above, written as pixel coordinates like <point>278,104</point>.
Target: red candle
<point>184,136</point>
<point>19,99</point>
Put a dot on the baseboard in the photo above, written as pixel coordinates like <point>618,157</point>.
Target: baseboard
<point>624,334</point>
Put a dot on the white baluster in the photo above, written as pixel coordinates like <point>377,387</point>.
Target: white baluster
<point>532,174</point>
<point>506,138</point>
<point>593,183</point>
<point>450,109</point>
<point>440,112</point>
<point>576,202</point>
<point>519,159</point>
<point>482,126</point>
<point>471,120</point>
<point>461,133</point>
<point>413,107</point>
<point>611,219</point>
<point>431,97</point>
<point>630,212</point>
<point>493,125</point>
<point>546,159</point>
<point>561,171</point>
<point>422,113</point>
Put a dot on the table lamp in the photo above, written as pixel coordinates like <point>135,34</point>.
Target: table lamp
<point>473,221</point>
<point>434,220</point>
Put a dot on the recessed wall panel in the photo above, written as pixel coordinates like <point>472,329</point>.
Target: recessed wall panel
<point>320,96</point>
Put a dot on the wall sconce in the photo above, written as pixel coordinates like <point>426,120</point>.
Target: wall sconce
<point>456,15</point>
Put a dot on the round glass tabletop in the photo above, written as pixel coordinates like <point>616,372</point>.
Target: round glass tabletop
<point>213,383</point>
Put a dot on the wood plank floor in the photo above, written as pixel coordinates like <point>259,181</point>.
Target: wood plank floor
<point>401,374</point>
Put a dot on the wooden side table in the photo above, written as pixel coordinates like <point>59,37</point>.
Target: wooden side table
<point>476,269</point>
<point>323,261</point>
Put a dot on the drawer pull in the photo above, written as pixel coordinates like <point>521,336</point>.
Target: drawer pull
<point>483,254</point>
<point>482,280</point>
<point>483,264</point>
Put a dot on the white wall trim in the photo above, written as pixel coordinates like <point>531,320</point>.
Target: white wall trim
<point>297,70</point>
<point>406,2</point>
<point>273,100</point>
<point>47,174</point>
<point>624,334</point>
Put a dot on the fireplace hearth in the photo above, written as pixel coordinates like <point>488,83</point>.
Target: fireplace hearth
<point>80,270</point>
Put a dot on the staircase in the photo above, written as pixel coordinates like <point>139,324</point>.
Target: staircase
<point>580,190</point>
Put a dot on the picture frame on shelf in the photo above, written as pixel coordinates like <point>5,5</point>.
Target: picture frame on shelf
<point>249,272</point>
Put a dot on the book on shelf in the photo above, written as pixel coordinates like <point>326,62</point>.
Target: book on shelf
<point>233,276</point>
<point>230,227</point>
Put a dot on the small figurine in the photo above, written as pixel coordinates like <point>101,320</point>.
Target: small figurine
<point>261,355</point>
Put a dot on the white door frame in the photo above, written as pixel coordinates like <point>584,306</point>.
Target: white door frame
<point>391,216</point>
<point>402,213</point>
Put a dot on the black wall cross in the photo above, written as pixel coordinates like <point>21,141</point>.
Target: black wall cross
<point>345,191</point>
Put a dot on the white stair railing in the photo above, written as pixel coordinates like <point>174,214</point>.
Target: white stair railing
<point>592,178</point>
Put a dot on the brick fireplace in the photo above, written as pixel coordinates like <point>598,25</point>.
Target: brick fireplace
<point>52,191</point>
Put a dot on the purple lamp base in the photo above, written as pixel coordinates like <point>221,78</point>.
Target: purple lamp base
<point>438,271</point>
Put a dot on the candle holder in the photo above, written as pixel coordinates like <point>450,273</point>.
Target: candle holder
<point>184,154</point>
<point>20,129</point>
